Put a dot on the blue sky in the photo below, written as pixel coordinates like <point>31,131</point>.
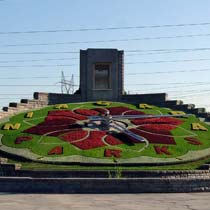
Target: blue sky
<point>35,15</point>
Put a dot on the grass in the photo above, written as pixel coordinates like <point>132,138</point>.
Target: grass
<point>42,166</point>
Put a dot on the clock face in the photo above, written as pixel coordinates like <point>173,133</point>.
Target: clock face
<point>68,133</point>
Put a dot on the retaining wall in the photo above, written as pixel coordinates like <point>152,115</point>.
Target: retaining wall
<point>101,185</point>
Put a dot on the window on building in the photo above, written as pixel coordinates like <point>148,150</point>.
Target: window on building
<point>102,76</point>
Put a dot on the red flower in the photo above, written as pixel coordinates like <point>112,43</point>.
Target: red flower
<point>74,135</point>
<point>134,112</point>
<point>117,110</point>
<point>101,110</point>
<point>162,150</point>
<point>56,151</point>
<point>20,139</point>
<point>161,120</point>
<point>155,139</point>
<point>94,140</point>
<point>192,140</point>
<point>66,113</point>
<point>87,112</point>
<point>112,140</point>
<point>112,152</point>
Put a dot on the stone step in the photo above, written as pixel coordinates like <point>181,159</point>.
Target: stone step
<point>4,114</point>
<point>173,103</point>
<point>3,160</point>
<point>198,111</point>
<point>23,106</point>
<point>10,110</point>
<point>205,167</point>
<point>205,115</point>
<point>185,107</point>
<point>34,101</point>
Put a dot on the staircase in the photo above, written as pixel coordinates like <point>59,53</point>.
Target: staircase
<point>188,108</point>
<point>24,105</point>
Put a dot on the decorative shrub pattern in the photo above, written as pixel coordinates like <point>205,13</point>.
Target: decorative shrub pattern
<point>162,120</point>
<point>87,112</point>
<point>117,110</point>
<point>192,140</point>
<point>162,150</point>
<point>112,152</point>
<point>94,140</point>
<point>74,135</point>
<point>67,113</point>
<point>20,139</point>
<point>155,139</point>
<point>100,110</point>
<point>134,112</point>
<point>63,124</point>
<point>56,151</point>
<point>112,140</point>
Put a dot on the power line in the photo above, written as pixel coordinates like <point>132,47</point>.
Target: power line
<point>142,84</point>
<point>162,51</point>
<point>128,63</point>
<point>127,74</point>
<point>168,83</point>
<point>169,72</point>
<point>106,28</point>
<point>168,61</point>
<point>43,66</point>
<point>37,60</point>
<point>19,85</point>
<point>129,51</point>
<point>15,94</point>
<point>35,53</point>
<point>109,40</point>
<point>166,88</point>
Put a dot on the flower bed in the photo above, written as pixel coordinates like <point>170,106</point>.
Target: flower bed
<point>87,112</point>
<point>162,150</point>
<point>112,140</point>
<point>66,113</point>
<point>162,120</point>
<point>134,112</point>
<point>192,140</point>
<point>157,128</point>
<point>154,139</point>
<point>56,151</point>
<point>111,152</point>
<point>118,110</point>
<point>42,130</point>
<point>20,139</point>
<point>94,140</point>
<point>100,110</point>
<point>57,120</point>
<point>55,124</point>
<point>74,135</point>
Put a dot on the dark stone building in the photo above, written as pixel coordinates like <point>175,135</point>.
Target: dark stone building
<point>101,74</point>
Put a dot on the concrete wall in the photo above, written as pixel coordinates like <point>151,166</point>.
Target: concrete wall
<point>88,185</point>
<point>158,99</point>
<point>14,180</point>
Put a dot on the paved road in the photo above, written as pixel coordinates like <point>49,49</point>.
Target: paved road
<point>190,201</point>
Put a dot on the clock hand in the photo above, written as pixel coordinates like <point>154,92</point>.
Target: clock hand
<point>147,116</point>
<point>127,132</point>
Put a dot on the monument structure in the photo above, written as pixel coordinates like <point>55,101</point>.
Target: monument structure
<point>101,74</point>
